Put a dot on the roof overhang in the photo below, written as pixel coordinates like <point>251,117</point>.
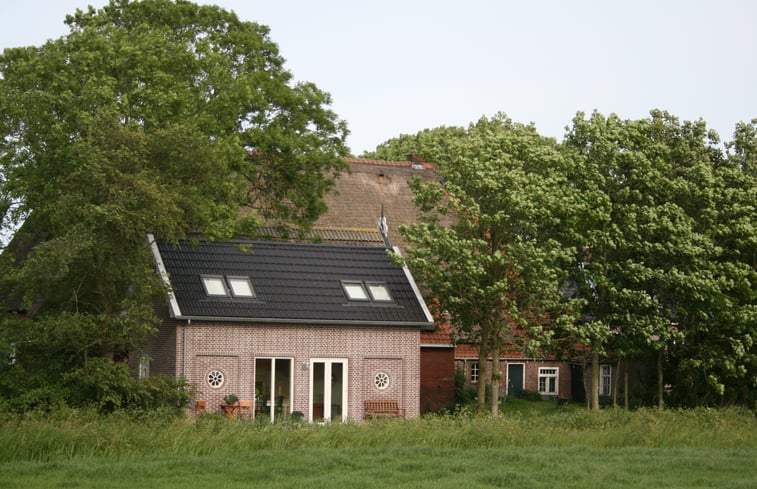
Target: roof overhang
<point>298,322</point>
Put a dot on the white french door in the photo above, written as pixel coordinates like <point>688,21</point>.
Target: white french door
<point>328,389</point>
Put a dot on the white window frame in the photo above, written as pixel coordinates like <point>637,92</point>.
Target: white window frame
<point>327,392</point>
<point>379,292</point>
<point>474,372</point>
<point>355,291</point>
<point>240,286</point>
<point>549,377</point>
<point>225,286</point>
<point>144,367</point>
<point>215,285</point>
<point>358,291</point>
<point>605,380</point>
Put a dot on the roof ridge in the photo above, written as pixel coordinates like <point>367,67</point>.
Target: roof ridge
<point>407,164</point>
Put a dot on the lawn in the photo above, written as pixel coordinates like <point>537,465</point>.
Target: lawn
<point>529,445</point>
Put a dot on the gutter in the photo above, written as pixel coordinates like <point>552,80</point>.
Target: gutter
<point>302,321</point>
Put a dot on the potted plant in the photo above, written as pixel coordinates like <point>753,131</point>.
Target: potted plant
<point>231,399</point>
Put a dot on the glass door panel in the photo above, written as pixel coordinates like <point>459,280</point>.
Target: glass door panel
<point>328,383</point>
<point>273,387</point>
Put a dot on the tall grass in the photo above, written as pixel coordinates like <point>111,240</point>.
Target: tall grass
<point>75,434</point>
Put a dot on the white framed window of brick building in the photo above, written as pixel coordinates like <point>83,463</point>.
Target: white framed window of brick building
<point>474,372</point>
<point>605,380</point>
<point>549,378</point>
<point>144,366</point>
<point>215,378</point>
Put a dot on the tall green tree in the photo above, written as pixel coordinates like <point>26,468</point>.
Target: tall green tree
<point>148,117</point>
<point>431,145</point>
<point>654,272</point>
<point>496,270</point>
<point>717,361</point>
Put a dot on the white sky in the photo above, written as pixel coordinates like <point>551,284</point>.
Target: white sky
<point>397,67</point>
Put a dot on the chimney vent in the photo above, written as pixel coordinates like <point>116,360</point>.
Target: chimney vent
<point>416,162</point>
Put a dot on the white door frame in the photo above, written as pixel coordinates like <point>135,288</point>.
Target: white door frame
<point>328,362</point>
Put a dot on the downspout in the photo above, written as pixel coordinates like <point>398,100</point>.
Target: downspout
<point>184,349</point>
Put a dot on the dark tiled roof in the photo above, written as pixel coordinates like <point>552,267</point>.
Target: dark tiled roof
<point>293,282</point>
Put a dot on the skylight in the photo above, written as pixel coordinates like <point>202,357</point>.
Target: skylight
<point>220,286</point>
<point>240,287</point>
<point>355,291</point>
<point>367,291</point>
<point>214,286</point>
<point>379,292</point>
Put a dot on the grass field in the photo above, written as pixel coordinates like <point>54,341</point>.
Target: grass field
<point>531,445</point>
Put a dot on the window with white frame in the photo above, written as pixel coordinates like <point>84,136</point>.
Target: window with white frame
<point>605,380</point>
<point>366,291</point>
<point>234,286</point>
<point>379,292</point>
<point>240,286</point>
<point>214,285</point>
<point>474,372</point>
<point>549,380</point>
<point>144,367</point>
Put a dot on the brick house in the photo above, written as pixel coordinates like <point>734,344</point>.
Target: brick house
<point>316,329</point>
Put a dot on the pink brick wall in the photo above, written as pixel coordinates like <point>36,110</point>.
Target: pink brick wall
<point>233,348</point>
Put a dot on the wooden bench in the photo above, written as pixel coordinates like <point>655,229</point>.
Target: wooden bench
<point>383,407</point>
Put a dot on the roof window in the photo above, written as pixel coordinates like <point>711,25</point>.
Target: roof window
<point>220,286</point>
<point>355,291</point>
<point>240,286</point>
<point>214,286</point>
<point>366,291</point>
<point>379,292</point>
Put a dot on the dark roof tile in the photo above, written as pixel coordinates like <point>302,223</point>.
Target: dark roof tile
<point>296,282</point>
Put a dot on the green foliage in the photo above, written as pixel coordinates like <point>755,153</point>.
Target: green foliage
<point>496,268</point>
<point>111,386</point>
<point>463,395</point>
<point>648,223</point>
<point>100,384</point>
<point>431,145</point>
<point>667,255</point>
<point>84,433</point>
<point>153,117</point>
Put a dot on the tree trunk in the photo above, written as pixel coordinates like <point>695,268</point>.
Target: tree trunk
<point>625,384</point>
<point>595,382</point>
<point>482,376</point>
<point>615,376</point>
<point>660,385</point>
<point>483,354</point>
<point>496,376</point>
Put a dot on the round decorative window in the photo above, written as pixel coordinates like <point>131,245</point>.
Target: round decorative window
<point>215,379</point>
<point>381,380</point>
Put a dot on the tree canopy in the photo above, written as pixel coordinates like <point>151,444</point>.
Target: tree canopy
<point>658,220</point>
<point>149,117</point>
<point>496,270</point>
